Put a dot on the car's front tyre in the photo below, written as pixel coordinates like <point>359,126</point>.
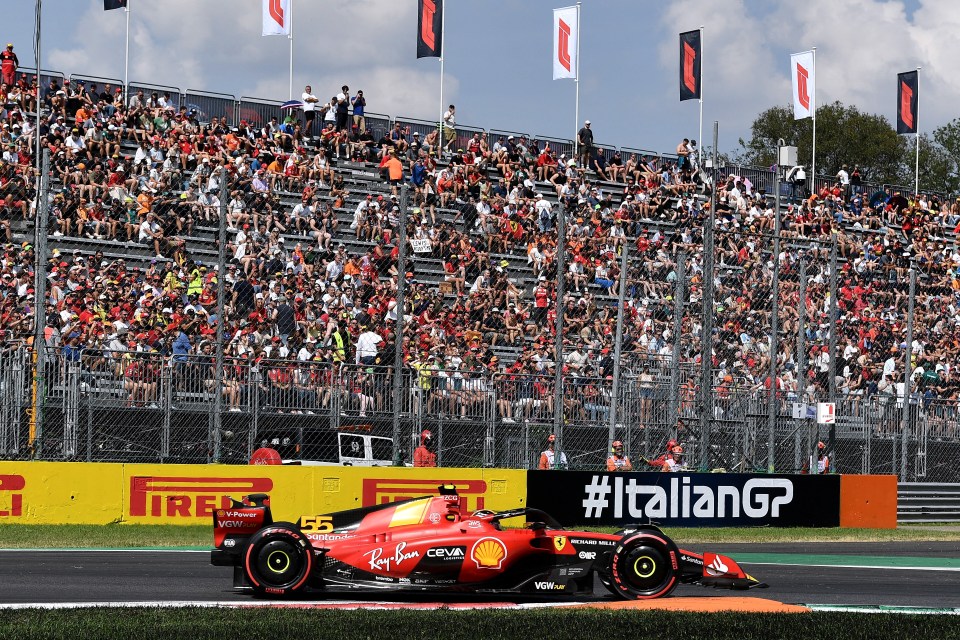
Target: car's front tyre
<point>643,566</point>
<point>278,560</point>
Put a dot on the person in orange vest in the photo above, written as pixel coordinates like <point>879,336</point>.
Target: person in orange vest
<point>618,461</point>
<point>823,460</point>
<point>423,456</point>
<point>549,456</point>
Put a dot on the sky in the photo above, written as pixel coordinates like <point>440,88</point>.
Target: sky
<point>497,64</point>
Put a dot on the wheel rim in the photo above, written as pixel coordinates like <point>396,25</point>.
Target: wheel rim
<point>278,562</point>
<point>646,569</point>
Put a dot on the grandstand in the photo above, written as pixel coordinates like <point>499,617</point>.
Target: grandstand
<point>128,370</point>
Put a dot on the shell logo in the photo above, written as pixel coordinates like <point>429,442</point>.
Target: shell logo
<point>488,553</point>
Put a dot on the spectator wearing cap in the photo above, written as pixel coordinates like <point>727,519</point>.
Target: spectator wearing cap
<point>359,105</point>
<point>585,144</point>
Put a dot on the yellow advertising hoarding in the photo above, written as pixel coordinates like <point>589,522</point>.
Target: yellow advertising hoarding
<point>84,493</point>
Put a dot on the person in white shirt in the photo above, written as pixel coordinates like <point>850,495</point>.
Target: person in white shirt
<point>368,344</point>
<point>449,127</point>
<point>309,108</point>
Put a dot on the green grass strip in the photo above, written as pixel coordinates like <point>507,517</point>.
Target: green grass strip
<point>555,624</point>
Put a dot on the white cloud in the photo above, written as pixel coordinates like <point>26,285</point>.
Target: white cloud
<point>216,45</point>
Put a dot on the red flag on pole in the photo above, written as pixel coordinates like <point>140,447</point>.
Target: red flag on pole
<point>690,65</point>
<point>908,89</point>
<point>429,28</point>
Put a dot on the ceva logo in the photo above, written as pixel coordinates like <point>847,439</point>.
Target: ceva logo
<point>180,497</point>
<point>382,490</point>
<point>13,483</point>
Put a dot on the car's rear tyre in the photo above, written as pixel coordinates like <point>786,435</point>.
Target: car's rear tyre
<point>278,560</point>
<point>643,566</point>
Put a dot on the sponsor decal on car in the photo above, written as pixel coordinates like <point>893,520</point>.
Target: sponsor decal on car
<point>474,524</point>
<point>587,555</point>
<point>382,490</point>
<point>13,484</point>
<point>380,562</point>
<point>582,541</point>
<point>488,553</point>
<point>447,553</point>
<point>548,585</point>
<point>559,542</point>
<point>188,497</point>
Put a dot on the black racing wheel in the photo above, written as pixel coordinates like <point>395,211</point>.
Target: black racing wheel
<point>644,566</point>
<point>278,560</point>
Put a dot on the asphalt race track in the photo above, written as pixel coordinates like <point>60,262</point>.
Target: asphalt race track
<point>929,577</point>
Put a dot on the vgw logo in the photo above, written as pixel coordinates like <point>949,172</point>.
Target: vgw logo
<point>12,483</point>
<point>179,497</point>
<point>759,498</point>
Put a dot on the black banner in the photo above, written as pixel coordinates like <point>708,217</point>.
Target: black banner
<point>429,28</point>
<point>908,88</point>
<point>108,5</point>
<point>583,498</point>
<point>690,65</point>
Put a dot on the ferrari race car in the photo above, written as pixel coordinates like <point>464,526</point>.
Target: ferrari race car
<point>431,544</point>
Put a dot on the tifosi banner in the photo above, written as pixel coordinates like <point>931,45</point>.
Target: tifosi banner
<point>690,65</point>
<point>908,91</point>
<point>580,498</point>
<point>276,17</point>
<point>802,69</point>
<point>566,34</point>
<point>429,28</point>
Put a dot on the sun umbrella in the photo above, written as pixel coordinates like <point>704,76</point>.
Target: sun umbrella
<point>292,104</point>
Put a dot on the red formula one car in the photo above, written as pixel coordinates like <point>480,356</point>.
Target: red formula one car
<point>431,544</point>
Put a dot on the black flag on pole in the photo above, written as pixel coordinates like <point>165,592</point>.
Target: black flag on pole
<point>114,4</point>
<point>690,65</point>
<point>429,28</point>
<point>908,86</point>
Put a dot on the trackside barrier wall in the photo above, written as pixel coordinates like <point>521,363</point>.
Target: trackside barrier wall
<point>103,493</point>
<point>582,498</point>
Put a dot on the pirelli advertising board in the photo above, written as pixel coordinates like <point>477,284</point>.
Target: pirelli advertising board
<point>687,499</point>
<point>82,493</point>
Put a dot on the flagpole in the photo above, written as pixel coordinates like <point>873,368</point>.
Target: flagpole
<point>290,37</point>
<point>576,81</point>
<point>443,43</point>
<point>126,53</point>
<point>813,166</point>
<point>916,169</point>
<point>700,129</point>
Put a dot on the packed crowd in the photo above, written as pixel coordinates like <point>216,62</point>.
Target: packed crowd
<point>137,169</point>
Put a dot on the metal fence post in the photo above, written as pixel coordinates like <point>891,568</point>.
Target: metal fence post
<point>678,298</point>
<point>617,349</point>
<point>221,304</point>
<point>706,373</point>
<point>166,382</point>
<point>41,221</point>
<point>774,350</point>
<point>398,327</point>
<point>833,324</point>
<point>907,371</point>
<point>802,351</point>
<point>558,346</point>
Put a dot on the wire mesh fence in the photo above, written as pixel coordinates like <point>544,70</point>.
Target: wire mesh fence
<point>200,292</point>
